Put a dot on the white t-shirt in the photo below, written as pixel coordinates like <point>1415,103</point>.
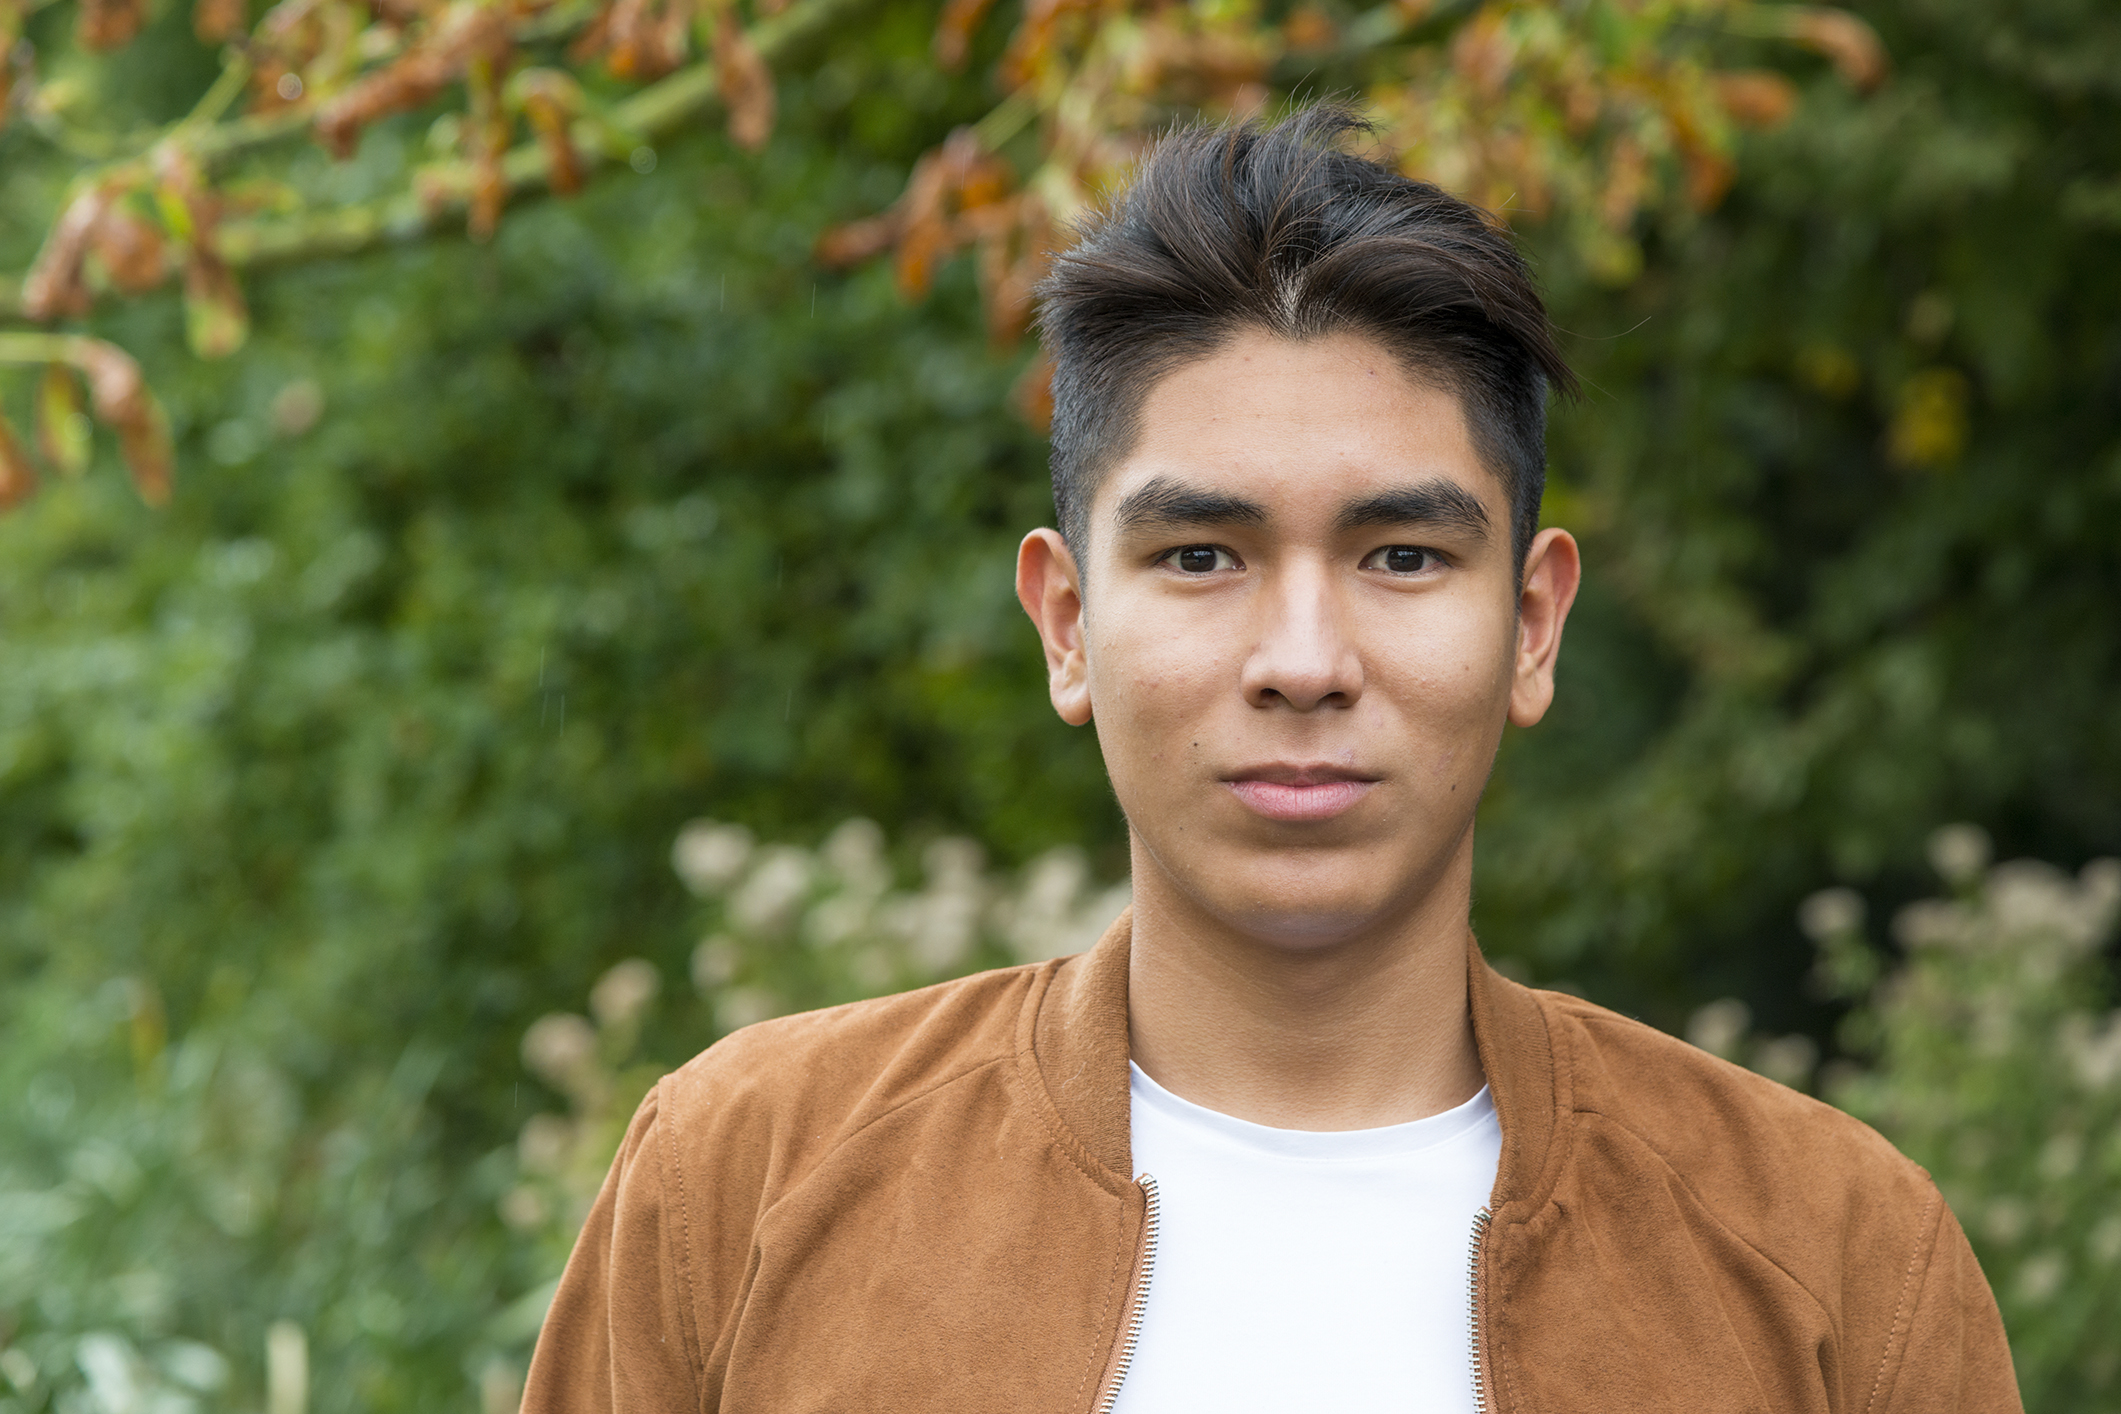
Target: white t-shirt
<point>1300,1271</point>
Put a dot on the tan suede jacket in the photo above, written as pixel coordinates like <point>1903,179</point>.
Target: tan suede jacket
<point>924,1203</point>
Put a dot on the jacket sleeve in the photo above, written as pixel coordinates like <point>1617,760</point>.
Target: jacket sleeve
<point>1952,1354</point>
<point>617,1338</point>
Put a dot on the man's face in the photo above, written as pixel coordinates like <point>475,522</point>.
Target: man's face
<point>1301,636</point>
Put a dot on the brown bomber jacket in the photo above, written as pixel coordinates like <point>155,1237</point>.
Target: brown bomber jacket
<point>924,1203</point>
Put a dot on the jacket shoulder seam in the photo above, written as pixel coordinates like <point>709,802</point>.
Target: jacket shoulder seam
<point>697,1354</point>
<point>1709,1208</point>
<point>971,1069</point>
<point>694,1356</point>
<point>1903,1312</point>
<point>844,1140</point>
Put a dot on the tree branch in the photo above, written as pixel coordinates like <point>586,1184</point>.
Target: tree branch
<point>442,193</point>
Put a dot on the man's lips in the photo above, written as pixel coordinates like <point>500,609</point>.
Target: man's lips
<point>1299,793</point>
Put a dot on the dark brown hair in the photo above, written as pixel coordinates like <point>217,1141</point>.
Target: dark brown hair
<point>1275,228</point>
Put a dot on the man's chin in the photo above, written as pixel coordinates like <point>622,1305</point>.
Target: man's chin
<point>1302,900</point>
<point>1317,923</point>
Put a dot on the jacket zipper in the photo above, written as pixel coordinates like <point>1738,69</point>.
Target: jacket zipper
<point>1137,1309</point>
<point>1481,1220</point>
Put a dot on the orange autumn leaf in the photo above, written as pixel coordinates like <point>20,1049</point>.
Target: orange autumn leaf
<point>954,31</point>
<point>129,250</point>
<point>18,475</point>
<point>1756,97</point>
<point>746,82</point>
<point>921,244</point>
<point>1033,393</point>
<point>286,41</point>
<point>122,402</point>
<point>1482,52</point>
<point>108,24</point>
<point>216,319</point>
<point>550,100</point>
<point>1627,183</point>
<point>1308,30</point>
<point>857,241</point>
<point>217,21</point>
<point>1033,43</point>
<point>467,32</point>
<point>646,39</point>
<point>1708,177</point>
<point>486,133</point>
<point>1848,43</point>
<point>53,285</point>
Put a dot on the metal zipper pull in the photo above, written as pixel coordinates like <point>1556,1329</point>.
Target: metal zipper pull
<point>1132,1338</point>
<point>1481,1220</point>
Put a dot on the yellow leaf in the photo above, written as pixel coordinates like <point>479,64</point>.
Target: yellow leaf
<point>63,430</point>
<point>1929,425</point>
<point>216,321</point>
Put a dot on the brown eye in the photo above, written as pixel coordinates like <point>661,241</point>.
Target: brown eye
<point>1200,559</point>
<point>1402,559</point>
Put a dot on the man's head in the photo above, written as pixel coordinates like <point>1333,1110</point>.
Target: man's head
<point>1238,229</point>
<point>1318,597</point>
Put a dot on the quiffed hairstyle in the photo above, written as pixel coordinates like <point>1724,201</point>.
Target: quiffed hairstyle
<point>1245,227</point>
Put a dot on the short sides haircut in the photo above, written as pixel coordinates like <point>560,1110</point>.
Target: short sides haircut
<point>1275,228</point>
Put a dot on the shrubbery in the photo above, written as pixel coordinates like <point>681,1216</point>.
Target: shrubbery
<point>1985,1048</point>
<point>489,565</point>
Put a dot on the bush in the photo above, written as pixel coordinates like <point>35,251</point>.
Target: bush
<point>1992,1059</point>
<point>1985,1050</point>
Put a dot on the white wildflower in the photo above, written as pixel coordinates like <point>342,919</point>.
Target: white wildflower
<point>1959,852</point>
<point>623,993</point>
<point>1718,1027</point>
<point>1830,913</point>
<point>709,856</point>
<point>768,899</point>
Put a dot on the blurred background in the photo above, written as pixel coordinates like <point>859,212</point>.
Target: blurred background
<point>507,578</point>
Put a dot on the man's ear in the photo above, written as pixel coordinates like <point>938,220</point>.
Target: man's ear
<point>1050,589</point>
<point>1552,571</point>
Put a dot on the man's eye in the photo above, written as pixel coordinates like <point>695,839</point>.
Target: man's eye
<point>1402,559</point>
<point>1201,559</point>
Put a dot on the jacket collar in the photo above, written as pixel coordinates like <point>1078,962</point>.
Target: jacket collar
<point>1078,1036</point>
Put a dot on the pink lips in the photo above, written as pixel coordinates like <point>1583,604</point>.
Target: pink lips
<point>1303,796</point>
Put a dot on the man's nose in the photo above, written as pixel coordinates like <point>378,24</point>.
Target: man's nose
<point>1303,656</point>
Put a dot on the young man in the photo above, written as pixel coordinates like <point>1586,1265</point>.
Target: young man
<point>1282,1140</point>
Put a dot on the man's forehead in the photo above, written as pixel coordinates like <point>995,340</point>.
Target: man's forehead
<point>1301,432</point>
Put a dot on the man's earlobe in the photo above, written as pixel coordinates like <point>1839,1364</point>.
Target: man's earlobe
<point>1049,586</point>
<point>1552,571</point>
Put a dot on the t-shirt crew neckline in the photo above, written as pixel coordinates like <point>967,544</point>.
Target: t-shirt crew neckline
<point>1312,1145</point>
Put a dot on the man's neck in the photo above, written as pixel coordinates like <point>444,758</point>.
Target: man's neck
<point>1351,1034</point>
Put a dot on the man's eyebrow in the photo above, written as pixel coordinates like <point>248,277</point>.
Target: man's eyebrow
<point>1440,503</point>
<point>1164,504</point>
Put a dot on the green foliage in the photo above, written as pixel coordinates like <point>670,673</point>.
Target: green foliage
<point>1997,1065</point>
<point>1989,1050</point>
<point>1990,1054</point>
<point>782,928</point>
<point>1849,483</point>
<point>491,566</point>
